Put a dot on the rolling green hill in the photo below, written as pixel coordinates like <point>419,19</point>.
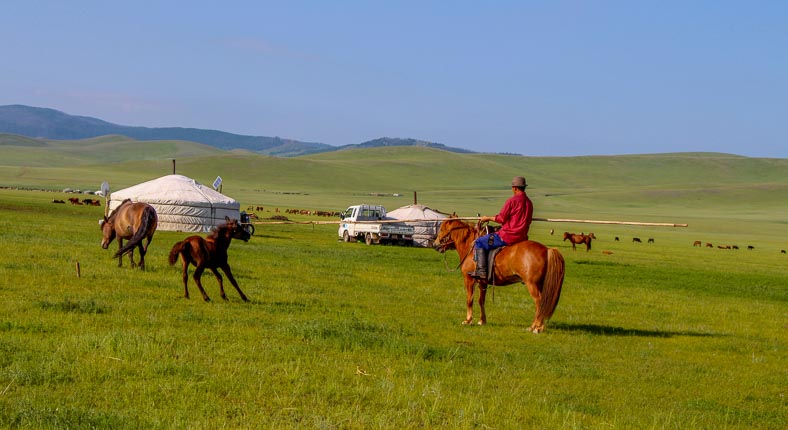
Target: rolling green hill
<point>23,151</point>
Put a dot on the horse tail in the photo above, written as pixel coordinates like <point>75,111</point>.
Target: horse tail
<point>176,250</point>
<point>148,216</point>
<point>551,286</point>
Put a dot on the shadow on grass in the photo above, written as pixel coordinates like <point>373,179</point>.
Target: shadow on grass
<point>605,330</point>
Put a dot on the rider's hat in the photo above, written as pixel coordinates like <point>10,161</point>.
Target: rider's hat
<point>519,181</point>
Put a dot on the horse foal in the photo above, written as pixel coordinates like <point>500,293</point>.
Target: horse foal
<point>209,253</point>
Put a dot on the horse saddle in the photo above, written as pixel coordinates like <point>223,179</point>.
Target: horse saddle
<point>491,264</point>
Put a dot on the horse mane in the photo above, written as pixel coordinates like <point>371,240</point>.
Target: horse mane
<point>214,234</point>
<point>114,214</point>
<point>458,221</point>
<point>461,224</point>
<point>216,231</point>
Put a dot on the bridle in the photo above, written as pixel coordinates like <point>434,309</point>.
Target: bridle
<point>446,241</point>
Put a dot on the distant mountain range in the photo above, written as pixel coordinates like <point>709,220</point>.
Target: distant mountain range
<point>47,123</point>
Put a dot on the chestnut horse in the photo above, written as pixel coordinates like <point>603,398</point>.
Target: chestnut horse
<point>579,238</point>
<point>209,253</point>
<point>540,268</point>
<point>132,221</point>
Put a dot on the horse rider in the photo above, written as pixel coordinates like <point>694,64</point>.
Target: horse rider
<point>515,218</point>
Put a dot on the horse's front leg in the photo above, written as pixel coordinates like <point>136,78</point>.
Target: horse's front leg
<point>469,284</point>
<point>221,282</point>
<point>230,276</point>
<point>482,299</point>
<point>229,273</point>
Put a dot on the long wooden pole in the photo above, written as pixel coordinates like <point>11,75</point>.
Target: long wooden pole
<point>581,221</point>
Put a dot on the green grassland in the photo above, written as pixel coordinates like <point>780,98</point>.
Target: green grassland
<point>344,335</point>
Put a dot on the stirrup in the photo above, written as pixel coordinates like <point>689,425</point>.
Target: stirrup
<point>475,274</point>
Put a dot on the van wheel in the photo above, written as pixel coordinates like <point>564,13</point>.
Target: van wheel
<point>368,239</point>
<point>345,236</point>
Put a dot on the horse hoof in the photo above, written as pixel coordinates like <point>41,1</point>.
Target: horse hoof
<point>481,322</point>
<point>466,322</point>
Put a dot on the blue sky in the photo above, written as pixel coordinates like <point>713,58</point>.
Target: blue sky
<point>552,78</point>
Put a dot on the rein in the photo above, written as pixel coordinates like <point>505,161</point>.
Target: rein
<point>462,260</point>
<point>452,242</point>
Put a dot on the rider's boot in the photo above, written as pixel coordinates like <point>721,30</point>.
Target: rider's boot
<point>480,256</point>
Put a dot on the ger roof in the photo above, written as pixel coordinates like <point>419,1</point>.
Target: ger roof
<point>176,190</point>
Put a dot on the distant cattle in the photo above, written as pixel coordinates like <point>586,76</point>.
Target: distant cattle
<point>74,201</point>
<point>735,247</point>
<point>650,240</point>
<point>636,239</point>
<point>58,201</point>
<point>696,243</point>
<point>709,245</point>
<point>616,239</point>
<point>750,247</point>
<point>782,251</point>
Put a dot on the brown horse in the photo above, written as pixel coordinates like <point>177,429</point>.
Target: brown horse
<point>209,253</point>
<point>579,238</point>
<point>132,221</point>
<point>540,268</point>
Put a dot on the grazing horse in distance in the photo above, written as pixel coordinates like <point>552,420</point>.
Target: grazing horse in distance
<point>650,240</point>
<point>579,238</point>
<point>709,245</point>
<point>696,243</point>
<point>540,268</point>
<point>636,239</point>
<point>132,221</point>
<point>209,253</point>
<point>616,239</point>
